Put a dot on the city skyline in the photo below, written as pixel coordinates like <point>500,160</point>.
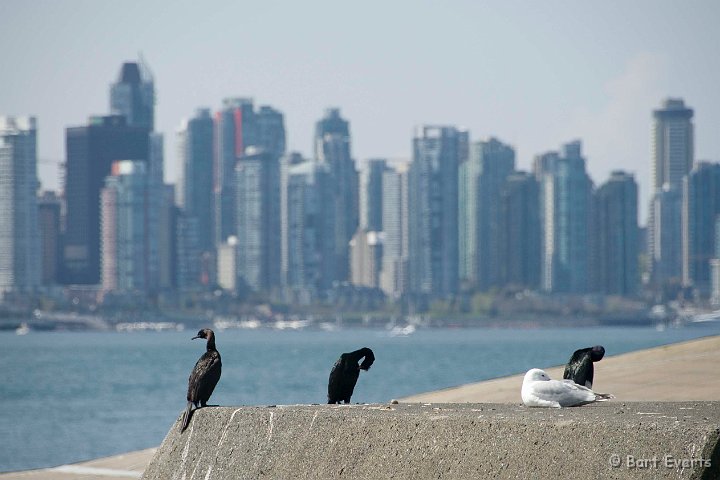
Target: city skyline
<point>497,70</point>
<point>459,211</point>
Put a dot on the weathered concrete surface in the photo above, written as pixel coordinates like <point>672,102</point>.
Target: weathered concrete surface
<point>671,373</point>
<point>443,441</point>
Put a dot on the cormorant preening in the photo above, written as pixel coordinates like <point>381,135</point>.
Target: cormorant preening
<point>580,369</point>
<point>345,373</point>
<point>204,376</point>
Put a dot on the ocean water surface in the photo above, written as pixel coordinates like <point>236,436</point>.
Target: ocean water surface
<point>68,397</point>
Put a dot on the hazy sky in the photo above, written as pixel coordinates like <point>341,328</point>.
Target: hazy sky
<point>535,74</point>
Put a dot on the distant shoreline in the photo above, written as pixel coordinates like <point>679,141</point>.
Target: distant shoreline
<point>522,321</point>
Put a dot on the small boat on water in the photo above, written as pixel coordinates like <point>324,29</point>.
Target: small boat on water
<point>398,331</point>
<point>23,329</point>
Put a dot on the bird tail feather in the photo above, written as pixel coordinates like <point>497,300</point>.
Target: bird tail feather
<point>186,416</point>
<point>602,397</point>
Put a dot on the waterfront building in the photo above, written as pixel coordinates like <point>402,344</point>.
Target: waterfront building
<point>257,189</point>
<point>371,194</point>
<point>155,194</point>
<point>270,131</point>
<point>332,148</point>
<point>673,143</point>
<point>545,163</point>
<point>519,232</point>
<point>617,226</point>
<point>49,208</point>
<point>189,269</point>
<point>227,265</point>
<point>238,127</point>
<point>19,233</point>
<point>433,218</point>
<point>195,192</point>
<point>715,282</point>
<point>168,239</point>
<point>481,179</point>
<point>394,270</point>
<point>566,209</point>
<point>366,258</point>
<point>700,213</point>
<point>308,232</point>
<point>665,241</point>
<point>90,152</point>
<point>234,131</point>
<point>124,222</point>
<point>672,159</point>
<point>133,95</point>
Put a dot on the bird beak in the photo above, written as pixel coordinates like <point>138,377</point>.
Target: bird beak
<point>193,338</point>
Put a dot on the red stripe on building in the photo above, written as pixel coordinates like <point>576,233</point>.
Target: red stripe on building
<point>239,147</point>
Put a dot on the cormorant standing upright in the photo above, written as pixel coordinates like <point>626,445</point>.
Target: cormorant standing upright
<point>204,376</point>
<point>345,372</point>
<point>580,368</point>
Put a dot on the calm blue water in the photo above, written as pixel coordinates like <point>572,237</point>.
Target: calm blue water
<point>68,397</point>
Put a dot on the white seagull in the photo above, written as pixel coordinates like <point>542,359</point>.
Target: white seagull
<point>538,390</point>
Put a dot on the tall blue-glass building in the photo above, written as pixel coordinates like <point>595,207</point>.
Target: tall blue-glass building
<point>566,210</point>
<point>433,213</point>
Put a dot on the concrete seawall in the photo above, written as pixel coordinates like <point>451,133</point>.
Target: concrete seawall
<point>608,440</point>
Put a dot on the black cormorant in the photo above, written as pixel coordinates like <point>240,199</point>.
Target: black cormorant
<point>204,376</point>
<point>345,373</point>
<point>580,369</point>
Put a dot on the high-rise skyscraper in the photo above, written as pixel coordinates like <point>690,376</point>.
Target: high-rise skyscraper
<point>481,179</point>
<point>133,95</point>
<point>665,242</point>
<point>617,228</point>
<point>90,152</point>
<point>394,270</point>
<point>50,245</point>
<point>433,217</point>
<point>545,163</point>
<point>307,223</point>
<point>270,130</point>
<point>370,194</point>
<point>332,148</point>
<point>566,208</point>
<point>519,232</point>
<point>195,144</point>
<point>124,222</point>
<point>155,194</point>
<point>237,127</point>
<point>226,266</point>
<point>234,131</point>
<point>189,269</point>
<point>258,223</point>
<point>366,258</point>
<point>19,233</point>
<point>673,158</point>
<point>700,214</point>
<point>673,143</point>
<point>167,240</point>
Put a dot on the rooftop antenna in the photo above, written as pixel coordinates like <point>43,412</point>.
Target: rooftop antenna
<point>145,72</point>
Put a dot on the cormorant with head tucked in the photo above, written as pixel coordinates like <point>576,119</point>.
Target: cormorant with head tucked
<point>580,368</point>
<point>204,376</point>
<point>345,373</point>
